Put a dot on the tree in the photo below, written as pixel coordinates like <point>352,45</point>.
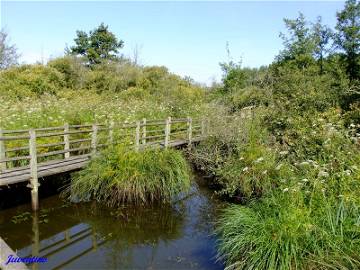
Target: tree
<point>8,53</point>
<point>348,36</point>
<point>100,44</point>
<point>299,45</point>
<point>322,35</point>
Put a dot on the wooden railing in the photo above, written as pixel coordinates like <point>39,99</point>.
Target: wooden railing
<point>28,147</point>
<point>32,153</point>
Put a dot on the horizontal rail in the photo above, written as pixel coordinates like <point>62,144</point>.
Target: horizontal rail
<point>14,159</point>
<point>160,133</point>
<point>53,153</point>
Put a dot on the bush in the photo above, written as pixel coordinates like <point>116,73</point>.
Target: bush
<point>250,96</point>
<point>120,176</point>
<point>30,80</point>
<point>73,70</point>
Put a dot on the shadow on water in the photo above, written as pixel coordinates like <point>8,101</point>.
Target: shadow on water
<point>93,236</point>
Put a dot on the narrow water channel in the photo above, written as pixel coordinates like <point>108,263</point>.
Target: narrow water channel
<point>92,236</point>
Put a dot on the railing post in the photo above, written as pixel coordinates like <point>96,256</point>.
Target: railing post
<point>111,132</point>
<point>66,140</point>
<point>2,152</point>
<point>189,123</point>
<point>202,127</point>
<point>137,136</point>
<point>94,138</point>
<point>34,181</point>
<point>144,131</point>
<point>207,127</point>
<point>167,131</point>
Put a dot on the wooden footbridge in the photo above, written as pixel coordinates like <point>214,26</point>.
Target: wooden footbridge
<point>27,155</point>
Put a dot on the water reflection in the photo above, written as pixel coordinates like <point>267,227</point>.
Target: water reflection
<point>90,236</point>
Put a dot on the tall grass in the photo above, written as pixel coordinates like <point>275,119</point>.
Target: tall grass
<point>120,176</point>
<point>278,234</point>
<point>299,186</point>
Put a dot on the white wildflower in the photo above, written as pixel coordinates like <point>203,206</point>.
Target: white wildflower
<point>285,189</point>
<point>323,174</point>
<point>259,160</point>
<point>245,169</point>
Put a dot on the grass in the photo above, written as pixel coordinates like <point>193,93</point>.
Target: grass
<point>277,234</point>
<point>119,176</point>
<point>299,192</point>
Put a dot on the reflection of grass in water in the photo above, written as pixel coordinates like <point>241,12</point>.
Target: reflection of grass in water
<point>128,227</point>
<point>134,224</point>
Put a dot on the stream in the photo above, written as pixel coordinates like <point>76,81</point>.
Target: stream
<point>93,236</point>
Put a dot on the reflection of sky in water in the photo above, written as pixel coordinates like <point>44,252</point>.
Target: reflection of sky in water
<point>87,236</point>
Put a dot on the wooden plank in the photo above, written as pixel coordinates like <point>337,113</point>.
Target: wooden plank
<point>94,138</point>
<point>41,167</point>
<point>189,132</point>
<point>66,140</point>
<point>34,181</point>
<point>2,152</point>
<point>44,171</point>
<point>167,131</point>
<point>144,131</point>
<point>137,136</point>
<point>45,163</point>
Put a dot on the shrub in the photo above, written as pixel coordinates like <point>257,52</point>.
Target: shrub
<point>73,70</point>
<point>30,80</point>
<point>119,176</point>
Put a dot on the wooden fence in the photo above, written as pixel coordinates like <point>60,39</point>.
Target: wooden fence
<point>32,153</point>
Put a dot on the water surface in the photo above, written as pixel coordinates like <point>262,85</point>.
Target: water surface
<point>92,236</point>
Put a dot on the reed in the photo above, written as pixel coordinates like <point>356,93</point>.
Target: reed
<point>119,176</point>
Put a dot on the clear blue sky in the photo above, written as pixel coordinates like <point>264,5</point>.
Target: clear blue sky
<point>187,37</point>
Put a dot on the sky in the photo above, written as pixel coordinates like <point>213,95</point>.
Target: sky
<point>188,37</point>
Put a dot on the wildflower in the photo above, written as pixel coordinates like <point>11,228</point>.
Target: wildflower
<point>282,153</point>
<point>245,169</point>
<point>304,163</point>
<point>347,172</point>
<point>323,174</point>
<point>259,160</point>
<point>285,189</point>
<point>305,180</point>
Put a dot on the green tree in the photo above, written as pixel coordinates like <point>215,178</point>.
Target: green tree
<point>299,44</point>
<point>8,52</point>
<point>100,44</point>
<point>348,36</point>
<point>322,35</point>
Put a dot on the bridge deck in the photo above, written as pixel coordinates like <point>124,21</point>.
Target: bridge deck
<point>53,167</point>
<point>55,150</point>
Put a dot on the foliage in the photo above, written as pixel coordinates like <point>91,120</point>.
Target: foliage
<point>348,36</point>
<point>30,80</point>
<point>72,69</point>
<point>119,176</point>
<point>8,53</point>
<point>100,44</point>
<point>300,45</point>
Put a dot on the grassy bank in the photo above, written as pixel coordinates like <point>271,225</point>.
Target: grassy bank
<point>120,176</point>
